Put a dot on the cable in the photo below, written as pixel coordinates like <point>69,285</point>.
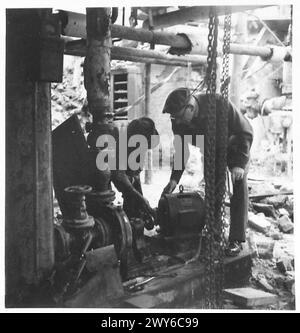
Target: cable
<point>267,27</point>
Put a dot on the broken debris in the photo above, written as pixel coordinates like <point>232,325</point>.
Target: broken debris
<point>285,224</point>
<point>250,297</point>
<point>259,222</point>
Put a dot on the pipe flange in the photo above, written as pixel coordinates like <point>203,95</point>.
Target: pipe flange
<point>74,224</point>
<point>79,189</point>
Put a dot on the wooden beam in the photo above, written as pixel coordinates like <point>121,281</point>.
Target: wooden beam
<point>29,244</point>
<point>194,13</point>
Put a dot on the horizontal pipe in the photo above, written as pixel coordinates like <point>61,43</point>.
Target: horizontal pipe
<point>147,36</point>
<point>269,52</point>
<point>193,59</point>
<point>74,26</point>
<point>244,49</point>
<point>78,48</point>
<point>154,61</point>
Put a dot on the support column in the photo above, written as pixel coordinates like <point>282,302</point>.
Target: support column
<point>29,250</point>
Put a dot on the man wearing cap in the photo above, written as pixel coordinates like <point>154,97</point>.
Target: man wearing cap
<point>128,181</point>
<point>188,114</point>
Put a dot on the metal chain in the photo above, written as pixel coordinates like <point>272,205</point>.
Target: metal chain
<point>209,160</point>
<point>221,162</point>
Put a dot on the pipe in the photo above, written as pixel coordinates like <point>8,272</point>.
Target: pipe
<point>148,36</point>
<point>193,59</point>
<point>270,52</point>
<point>97,62</point>
<point>73,24</point>
<point>147,84</point>
<point>78,48</point>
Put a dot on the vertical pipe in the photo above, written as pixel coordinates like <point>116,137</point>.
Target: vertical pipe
<point>148,171</point>
<point>97,79</point>
<point>97,63</point>
<point>237,66</point>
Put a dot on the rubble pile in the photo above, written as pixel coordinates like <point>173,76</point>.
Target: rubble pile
<point>68,96</point>
<point>270,237</point>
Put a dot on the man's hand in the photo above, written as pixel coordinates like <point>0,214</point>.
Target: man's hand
<point>237,174</point>
<point>144,204</point>
<point>170,187</point>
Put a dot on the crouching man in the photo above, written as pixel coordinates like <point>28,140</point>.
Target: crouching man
<point>188,114</point>
<point>128,181</point>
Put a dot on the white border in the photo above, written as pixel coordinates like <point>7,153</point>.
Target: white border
<point>68,5</point>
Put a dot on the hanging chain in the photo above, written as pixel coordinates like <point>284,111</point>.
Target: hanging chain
<point>225,61</point>
<point>221,161</point>
<point>209,160</point>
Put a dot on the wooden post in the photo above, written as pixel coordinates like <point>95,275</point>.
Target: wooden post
<point>236,77</point>
<point>29,248</point>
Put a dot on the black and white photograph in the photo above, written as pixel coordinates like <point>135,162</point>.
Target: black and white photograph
<point>148,157</point>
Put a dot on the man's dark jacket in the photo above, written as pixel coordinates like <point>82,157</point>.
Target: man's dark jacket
<point>240,134</point>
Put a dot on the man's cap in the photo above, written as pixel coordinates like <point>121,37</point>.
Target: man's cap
<point>144,126</point>
<point>176,100</point>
